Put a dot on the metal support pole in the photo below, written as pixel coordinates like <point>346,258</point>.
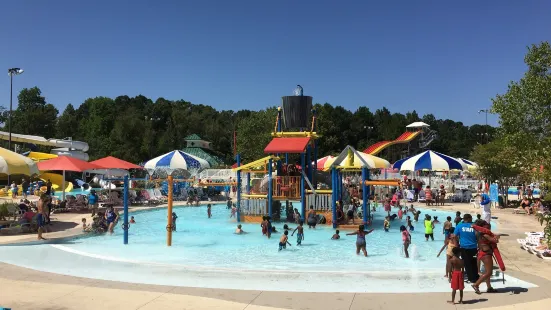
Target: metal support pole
<point>248,189</point>
<point>368,190</point>
<point>270,188</point>
<point>238,189</point>
<point>63,187</point>
<point>9,118</point>
<point>286,158</point>
<point>308,172</point>
<point>334,196</point>
<point>169,226</point>
<point>125,210</point>
<point>303,187</point>
<point>314,174</point>
<point>365,197</point>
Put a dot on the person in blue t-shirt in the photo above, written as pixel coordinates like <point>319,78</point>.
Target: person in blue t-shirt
<point>93,202</point>
<point>468,244</point>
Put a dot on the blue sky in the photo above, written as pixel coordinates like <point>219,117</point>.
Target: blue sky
<point>442,57</point>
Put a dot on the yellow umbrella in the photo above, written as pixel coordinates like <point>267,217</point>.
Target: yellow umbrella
<point>352,159</point>
<point>12,163</point>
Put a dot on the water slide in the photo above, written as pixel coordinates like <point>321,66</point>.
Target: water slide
<point>406,137</point>
<point>57,180</point>
<point>71,148</point>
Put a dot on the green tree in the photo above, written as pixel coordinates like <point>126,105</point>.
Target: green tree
<point>254,134</point>
<point>33,115</point>
<point>67,123</point>
<point>525,113</point>
<point>497,162</point>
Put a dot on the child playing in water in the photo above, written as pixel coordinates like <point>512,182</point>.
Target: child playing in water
<point>269,227</point>
<point>84,226</point>
<point>449,244</point>
<point>400,213</point>
<point>406,239</point>
<point>412,209</point>
<point>386,224</point>
<point>429,227</point>
<point>264,225</point>
<point>408,224</point>
<point>132,221</point>
<point>435,220</point>
<point>416,215</point>
<point>458,218</point>
<point>239,231</point>
<point>360,240</point>
<point>447,225</point>
<point>209,212</point>
<point>233,211</point>
<point>300,234</point>
<point>174,217</point>
<point>457,268</point>
<point>283,241</point>
<point>286,228</point>
<point>387,205</point>
<point>336,236</point>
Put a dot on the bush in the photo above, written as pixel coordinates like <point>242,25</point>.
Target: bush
<point>4,210</point>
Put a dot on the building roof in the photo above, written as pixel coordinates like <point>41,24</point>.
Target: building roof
<point>193,137</point>
<point>213,160</point>
<point>287,145</point>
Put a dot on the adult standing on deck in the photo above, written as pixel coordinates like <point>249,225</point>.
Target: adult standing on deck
<point>40,218</point>
<point>485,204</point>
<point>468,244</point>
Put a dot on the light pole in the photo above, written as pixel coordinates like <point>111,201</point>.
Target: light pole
<point>11,73</point>
<point>485,128</point>
<point>367,129</point>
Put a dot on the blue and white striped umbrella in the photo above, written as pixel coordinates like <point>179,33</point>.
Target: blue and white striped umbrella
<point>429,160</point>
<point>470,164</point>
<point>176,160</point>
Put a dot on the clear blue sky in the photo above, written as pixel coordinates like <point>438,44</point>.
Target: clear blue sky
<point>442,57</point>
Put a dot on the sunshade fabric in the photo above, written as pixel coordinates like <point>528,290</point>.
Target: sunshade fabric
<point>13,163</point>
<point>287,145</point>
<point>429,160</point>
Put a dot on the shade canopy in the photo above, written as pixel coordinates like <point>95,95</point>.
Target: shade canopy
<point>429,160</point>
<point>352,159</point>
<point>13,163</point>
<point>66,163</point>
<point>111,162</point>
<point>321,162</point>
<point>468,163</point>
<point>176,160</point>
<point>417,125</point>
<point>290,145</point>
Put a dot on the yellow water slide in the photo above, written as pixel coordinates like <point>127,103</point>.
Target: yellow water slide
<point>56,179</point>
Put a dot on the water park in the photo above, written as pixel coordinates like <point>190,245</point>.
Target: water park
<point>362,224</point>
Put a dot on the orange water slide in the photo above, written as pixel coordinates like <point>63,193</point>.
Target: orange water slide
<point>406,137</point>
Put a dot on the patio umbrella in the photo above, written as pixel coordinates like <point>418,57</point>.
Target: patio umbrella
<point>468,163</point>
<point>66,163</point>
<point>111,162</point>
<point>353,159</point>
<point>176,160</point>
<point>13,163</point>
<point>429,160</point>
<point>321,162</point>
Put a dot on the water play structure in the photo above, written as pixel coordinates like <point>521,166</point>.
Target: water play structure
<point>414,130</point>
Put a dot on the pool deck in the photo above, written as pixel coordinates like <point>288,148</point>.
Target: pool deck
<point>28,289</point>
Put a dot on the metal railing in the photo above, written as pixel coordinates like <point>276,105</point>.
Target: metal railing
<point>217,174</point>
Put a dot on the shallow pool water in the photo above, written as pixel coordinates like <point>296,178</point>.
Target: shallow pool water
<point>206,253</point>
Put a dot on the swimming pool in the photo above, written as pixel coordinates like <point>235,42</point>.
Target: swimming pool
<point>206,253</point>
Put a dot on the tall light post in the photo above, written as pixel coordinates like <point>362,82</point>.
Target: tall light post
<point>367,129</point>
<point>485,128</point>
<point>11,73</point>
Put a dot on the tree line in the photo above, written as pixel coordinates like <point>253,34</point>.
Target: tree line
<point>137,128</point>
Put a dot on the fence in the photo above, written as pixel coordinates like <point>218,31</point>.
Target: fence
<point>320,202</point>
<point>254,206</point>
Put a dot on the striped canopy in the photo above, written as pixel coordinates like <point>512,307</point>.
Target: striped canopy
<point>12,163</point>
<point>176,160</point>
<point>429,160</point>
<point>468,163</point>
<point>352,159</point>
<point>321,162</point>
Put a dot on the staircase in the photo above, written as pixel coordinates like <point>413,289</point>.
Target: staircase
<point>427,139</point>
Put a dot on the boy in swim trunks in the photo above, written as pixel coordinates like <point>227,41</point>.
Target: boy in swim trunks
<point>446,226</point>
<point>408,223</point>
<point>336,236</point>
<point>457,268</point>
<point>300,234</point>
<point>209,210</point>
<point>239,231</point>
<point>429,227</point>
<point>386,224</point>
<point>283,241</point>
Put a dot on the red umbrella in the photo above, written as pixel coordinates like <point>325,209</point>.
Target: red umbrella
<point>111,162</point>
<point>66,163</point>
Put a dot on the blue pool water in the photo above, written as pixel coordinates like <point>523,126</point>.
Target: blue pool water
<point>205,243</point>
<point>206,253</point>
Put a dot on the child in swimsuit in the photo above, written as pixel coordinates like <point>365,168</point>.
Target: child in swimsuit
<point>174,218</point>
<point>446,227</point>
<point>360,239</point>
<point>209,212</point>
<point>264,225</point>
<point>449,244</point>
<point>132,221</point>
<point>416,216</point>
<point>269,228</point>
<point>239,231</point>
<point>400,213</point>
<point>408,223</point>
<point>429,227</point>
<point>457,268</point>
<point>283,241</point>
<point>233,211</point>
<point>336,236</point>
<point>406,239</point>
<point>386,224</point>
<point>300,234</point>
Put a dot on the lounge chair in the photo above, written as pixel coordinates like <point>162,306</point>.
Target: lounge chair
<point>157,193</point>
<point>421,197</point>
<point>148,198</point>
<point>457,196</point>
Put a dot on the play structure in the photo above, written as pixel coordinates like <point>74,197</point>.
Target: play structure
<point>414,130</point>
<point>286,182</point>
